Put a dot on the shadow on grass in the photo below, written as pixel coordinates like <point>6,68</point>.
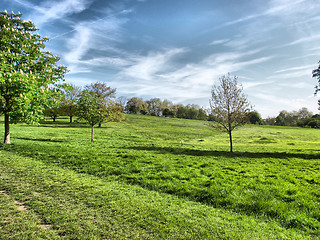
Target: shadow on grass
<point>40,139</point>
<point>195,152</point>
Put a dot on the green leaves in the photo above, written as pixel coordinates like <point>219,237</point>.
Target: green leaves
<point>29,75</point>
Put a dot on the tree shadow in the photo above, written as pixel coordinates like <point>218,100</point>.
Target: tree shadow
<point>197,152</point>
<point>40,139</point>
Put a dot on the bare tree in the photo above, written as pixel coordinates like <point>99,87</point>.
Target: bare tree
<point>229,105</point>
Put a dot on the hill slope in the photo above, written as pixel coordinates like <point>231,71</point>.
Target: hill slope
<point>158,178</point>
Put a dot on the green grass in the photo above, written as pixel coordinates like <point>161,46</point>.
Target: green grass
<point>159,178</point>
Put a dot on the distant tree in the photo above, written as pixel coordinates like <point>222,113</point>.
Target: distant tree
<point>136,106</point>
<point>95,105</point>
<point>229,105</point>
<point>167,112</point>
<point>102,92</point>
<point>91,109</point>
<point>202,115</point>
<point>68,105</point>
<point>192,111</point>
<point>52,112</point>
<point>122,101</point>
<point>29,75</point>
<point>254,118</point>
<point>181,111</point>
<point>270,120</point>
<point>304,113</point>
<point>155,106</point>
<point>279,121</point>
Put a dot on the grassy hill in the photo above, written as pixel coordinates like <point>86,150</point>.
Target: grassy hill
<point>159,178</point>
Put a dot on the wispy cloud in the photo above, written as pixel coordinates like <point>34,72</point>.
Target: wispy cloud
<point>53,10</point>
<point>96,36</point>
<point>157,74</point>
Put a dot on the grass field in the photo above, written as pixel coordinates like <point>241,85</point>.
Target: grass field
<point>159,178</point>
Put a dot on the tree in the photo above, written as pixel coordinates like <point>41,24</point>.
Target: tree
<point>52,112</point>
<point>229,105</point>
<point>91,109</point>
<point>29,75</point>
<point>255,118</point>
<point>136,106</point>
<point>102,92</point>
<point>95,106</point>
<point>68,103</point>
<point>155,107</point>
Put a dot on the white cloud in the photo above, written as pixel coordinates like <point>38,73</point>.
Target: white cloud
<point>53,10</point>
<point>218,42</point>
<point>148,67</point>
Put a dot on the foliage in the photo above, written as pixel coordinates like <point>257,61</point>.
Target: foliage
<point>91,109</point>
<point>95,106</point>
<point>229,105</point>
<point>136,106</point>
<point>254,118</point>
<point>68,105</point>
<point>52,112</point>
<point>29,75</point>
<point>155,107</point>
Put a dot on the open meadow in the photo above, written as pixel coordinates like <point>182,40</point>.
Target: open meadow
<point>159,178</point>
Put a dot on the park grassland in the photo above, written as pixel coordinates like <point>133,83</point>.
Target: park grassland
<point>159,178</point>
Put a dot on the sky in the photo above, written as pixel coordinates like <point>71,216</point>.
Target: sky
<point>178,49</point>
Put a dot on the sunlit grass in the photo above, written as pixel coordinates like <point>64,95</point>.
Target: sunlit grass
<point>272,178</point>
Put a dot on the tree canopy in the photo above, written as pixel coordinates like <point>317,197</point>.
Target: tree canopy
<point>29,75</point>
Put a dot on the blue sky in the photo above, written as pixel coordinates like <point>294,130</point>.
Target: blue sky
<point>177,49</point>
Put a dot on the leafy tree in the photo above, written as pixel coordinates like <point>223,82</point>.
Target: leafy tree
<point>69,101</point>
<point>229,105</point>
<point>167,112</point>
<point>202,115</point>
<point>91,109</point>
<point>52,112</point>
<point>155,106</point>
<point>181,111</point>
<point>279,121</point>
<point>255,118</point>
<point>29,75</point>
<point>102,92</point>
<point>95,106</point>
<point>136,106</point>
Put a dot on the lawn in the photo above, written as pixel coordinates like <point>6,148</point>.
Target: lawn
<point>159,178</point>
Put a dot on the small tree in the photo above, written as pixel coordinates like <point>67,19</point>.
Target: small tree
<point>69,101</point>
<point>94,109</point>
<point>229,105</point>
<point>102,92</point>
<point>52,112</point>
<point>91,109</point>
<point>29,76</point>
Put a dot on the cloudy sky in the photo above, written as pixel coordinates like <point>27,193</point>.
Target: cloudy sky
<point>177,49</point>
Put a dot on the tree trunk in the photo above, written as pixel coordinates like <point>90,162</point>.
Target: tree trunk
<point>6,129</point>
<point>54,118</point>
<point>99,125</point>
<point>70,119</point>
<point>230,136</point>
<point>91,133</point>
